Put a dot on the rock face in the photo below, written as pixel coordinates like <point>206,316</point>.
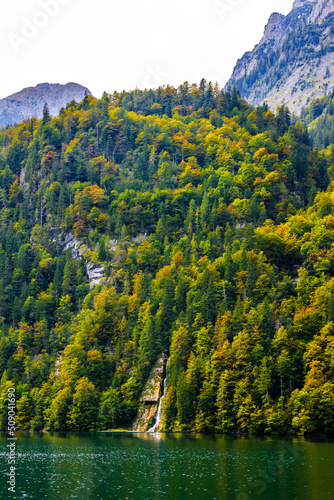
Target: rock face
<point>30,101</point>
<point>274,31</point>
<point>149,399</point>
<point>74,245</point>
<point>294,61</point>
<point>95,272</point>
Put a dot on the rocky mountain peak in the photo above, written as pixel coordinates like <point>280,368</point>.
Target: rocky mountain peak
<point>294,61</point>
<point>274,30</point>
<point>30,101</point>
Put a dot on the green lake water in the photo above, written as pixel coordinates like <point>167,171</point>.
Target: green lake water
<point>167,466</point>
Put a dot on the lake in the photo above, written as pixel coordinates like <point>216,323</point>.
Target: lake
<point>167,466</point>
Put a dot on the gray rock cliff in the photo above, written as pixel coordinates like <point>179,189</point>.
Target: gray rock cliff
<point>294,61</point>
<point>30,101</point>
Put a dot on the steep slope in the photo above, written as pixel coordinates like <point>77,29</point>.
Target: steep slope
<point>319,118</point>
<point>294,61</point>
<point>30,101</point>
<point>212,225</point>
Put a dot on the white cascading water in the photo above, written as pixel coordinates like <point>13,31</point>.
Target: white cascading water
<point>158,415</point>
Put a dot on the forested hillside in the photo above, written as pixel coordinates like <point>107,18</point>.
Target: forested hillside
<point>319,117</point>
<point>213,224</point>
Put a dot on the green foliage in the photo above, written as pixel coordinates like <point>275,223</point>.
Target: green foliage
<point>84,409</point>
<point>319,117</point>
<point>213,222</point>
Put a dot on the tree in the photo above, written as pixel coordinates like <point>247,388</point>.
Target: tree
<point>84,410</point>
<point>57,413</point>
<point>46,114</point>
<point>24,412</point>
<point>110,409</point>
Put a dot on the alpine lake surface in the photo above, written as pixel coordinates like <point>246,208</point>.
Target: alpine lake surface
<point>140,466</point>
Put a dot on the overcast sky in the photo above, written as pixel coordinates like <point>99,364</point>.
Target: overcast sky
<point>123,44</point>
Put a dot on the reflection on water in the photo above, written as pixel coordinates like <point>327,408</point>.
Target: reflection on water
<point>168,466</point>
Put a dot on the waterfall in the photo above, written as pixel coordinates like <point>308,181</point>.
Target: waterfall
<point>158,414</point>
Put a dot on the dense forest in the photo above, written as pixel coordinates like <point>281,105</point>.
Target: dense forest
<point>213,223</point>
<point>319,117</point>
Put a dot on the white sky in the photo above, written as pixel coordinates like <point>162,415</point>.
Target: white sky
<point>115,45</point>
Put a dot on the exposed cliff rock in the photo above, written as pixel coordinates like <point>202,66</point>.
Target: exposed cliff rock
<point>294,61</point>
<point>320,10</point>
<point>95,272</point>
<point>149,399</point>
<point>57,365</point>
<point>274,31</point>
<point>30,101</point>
<point>23,183</point>
<point>72,243</point>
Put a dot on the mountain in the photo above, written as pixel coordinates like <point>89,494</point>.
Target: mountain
<point>294,61</point>
<point>170,235</point>
<point>30,101</point>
